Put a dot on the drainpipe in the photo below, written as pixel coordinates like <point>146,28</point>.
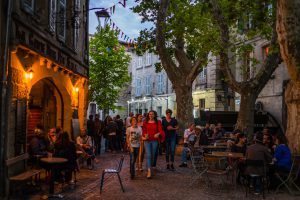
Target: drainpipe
<point>4,105</point>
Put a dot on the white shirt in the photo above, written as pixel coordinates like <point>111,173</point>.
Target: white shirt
<point>86,140</point>
<point>187,132</point>
<point>134,135</point>
<point>128,121</point>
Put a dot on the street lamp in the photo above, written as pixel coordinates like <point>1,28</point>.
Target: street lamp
<point>102,14</point>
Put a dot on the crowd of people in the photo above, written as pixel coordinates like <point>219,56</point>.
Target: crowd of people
<point>143,136</point>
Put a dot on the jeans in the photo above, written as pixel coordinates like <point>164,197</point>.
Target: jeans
<point>133,157</point>
<point>170,148</point>
<point>184,152</point>
<point>151,150</point>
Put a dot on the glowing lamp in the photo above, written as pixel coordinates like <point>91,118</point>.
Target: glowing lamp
<point>29,75</point>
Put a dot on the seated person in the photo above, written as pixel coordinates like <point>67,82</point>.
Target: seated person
<point>268,142</point>
<point>185,150</point>
<point>282,154</point>
<point>193,138</point>
<point>84,143</point>
<point>257,151</point>
<point>65,148</point>
<point>240,144</point>
<point>207,131</point>
<point>51,139</point>
<point>37,145</point>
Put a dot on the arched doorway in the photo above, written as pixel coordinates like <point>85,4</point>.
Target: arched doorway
<point>45,106</point>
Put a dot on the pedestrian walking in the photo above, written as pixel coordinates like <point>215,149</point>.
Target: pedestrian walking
<point>133,138</point>
<point>142,146</point>
<point>170,125</point>
<point>152,133</point>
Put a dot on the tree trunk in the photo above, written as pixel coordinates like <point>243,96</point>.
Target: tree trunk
<point>288,20</point>
<point>184,100</point>
<point>292,100</point>
<point>245,119</point>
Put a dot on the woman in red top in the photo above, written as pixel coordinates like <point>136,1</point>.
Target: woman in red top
<point>152,133</point>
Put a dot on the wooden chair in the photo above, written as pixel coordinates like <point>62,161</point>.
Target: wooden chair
<point>113,172</point>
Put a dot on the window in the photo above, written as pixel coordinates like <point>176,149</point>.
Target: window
<point>159,111</point>
<point>52,15</point>
<point>148,59</point>
<point>28,6</point>
<point>160,83</point>
<point>246,71</point>
<point>138,88</point>
<point>265,52</point>
<point>76,23</point>
<point>140,62</point>
<point>61,19</point>
<point>202,75</point>
<point>202,104</point>
<point>148,85</point>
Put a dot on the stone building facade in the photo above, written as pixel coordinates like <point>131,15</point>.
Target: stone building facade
<point>153,91</point>
<point>47,71</point>
<point>271,98</point>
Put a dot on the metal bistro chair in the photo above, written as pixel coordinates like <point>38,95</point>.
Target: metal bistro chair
<point>199,166</point>
<point>251,176</point>
<point>216,166</point>
<point>112,172</point>
<point>288,180</point>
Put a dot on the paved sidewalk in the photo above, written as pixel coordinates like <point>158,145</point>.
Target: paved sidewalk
<point>165,185</point>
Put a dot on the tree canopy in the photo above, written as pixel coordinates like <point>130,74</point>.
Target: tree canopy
<point>108,68</point>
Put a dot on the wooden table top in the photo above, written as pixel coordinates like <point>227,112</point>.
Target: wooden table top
<point>214,147</point>
<point>54,160</point>
<point>227,154</point>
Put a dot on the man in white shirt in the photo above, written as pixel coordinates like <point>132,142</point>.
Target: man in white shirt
<point>185,150</point>
<point>84,142</point>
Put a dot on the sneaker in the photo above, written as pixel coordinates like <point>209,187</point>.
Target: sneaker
<point>183,165</point>
<point>172,167</point>
<point>168,166</point>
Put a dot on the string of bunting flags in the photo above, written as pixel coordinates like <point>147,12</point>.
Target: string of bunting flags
<point>114,26</point>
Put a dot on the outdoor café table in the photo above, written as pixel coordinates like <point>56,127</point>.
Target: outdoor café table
<point>233,158</point>
<point>211,148</point>
<point>53,163</point>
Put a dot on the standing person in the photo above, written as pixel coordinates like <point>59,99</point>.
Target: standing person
<point>111,130</point>
<point>185,150</point>
<point>128,119</point>
<point>90,126</point>
<point>99,126</point>
<point>142,146</point>
<point>152,131</point>
<point>119,136</point>
<point>133,138</point>
<point>170,125</point>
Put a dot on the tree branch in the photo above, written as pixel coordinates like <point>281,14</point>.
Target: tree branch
<point>167,62</point>
<point>224,61</point>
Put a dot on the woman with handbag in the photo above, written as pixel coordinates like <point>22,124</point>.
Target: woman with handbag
<point>152,134</point>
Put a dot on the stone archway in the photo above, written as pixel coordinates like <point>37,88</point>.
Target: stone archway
<point>45,106</point>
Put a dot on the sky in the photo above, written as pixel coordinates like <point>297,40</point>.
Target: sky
<point>124,18</point>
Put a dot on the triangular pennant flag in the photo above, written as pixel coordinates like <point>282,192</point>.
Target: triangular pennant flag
<point>113,25</point>
<point>114,8</point>
<point>109,21</point>
<point>123,4</point>
<point>122,34</point>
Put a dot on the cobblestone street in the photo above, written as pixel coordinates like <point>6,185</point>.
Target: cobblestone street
<point>166,185</point>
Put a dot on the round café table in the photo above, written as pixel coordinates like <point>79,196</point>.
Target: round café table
<point>53,163</point>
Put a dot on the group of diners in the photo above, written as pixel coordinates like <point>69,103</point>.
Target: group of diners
<point>56,143</point>
<point>272,149</point>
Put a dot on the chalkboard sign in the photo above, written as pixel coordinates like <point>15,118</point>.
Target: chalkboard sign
<point>20,128</point>
<point>75,129</point>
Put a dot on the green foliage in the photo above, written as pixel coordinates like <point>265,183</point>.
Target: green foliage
<point>108,68</point>
<point>185,19</point>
